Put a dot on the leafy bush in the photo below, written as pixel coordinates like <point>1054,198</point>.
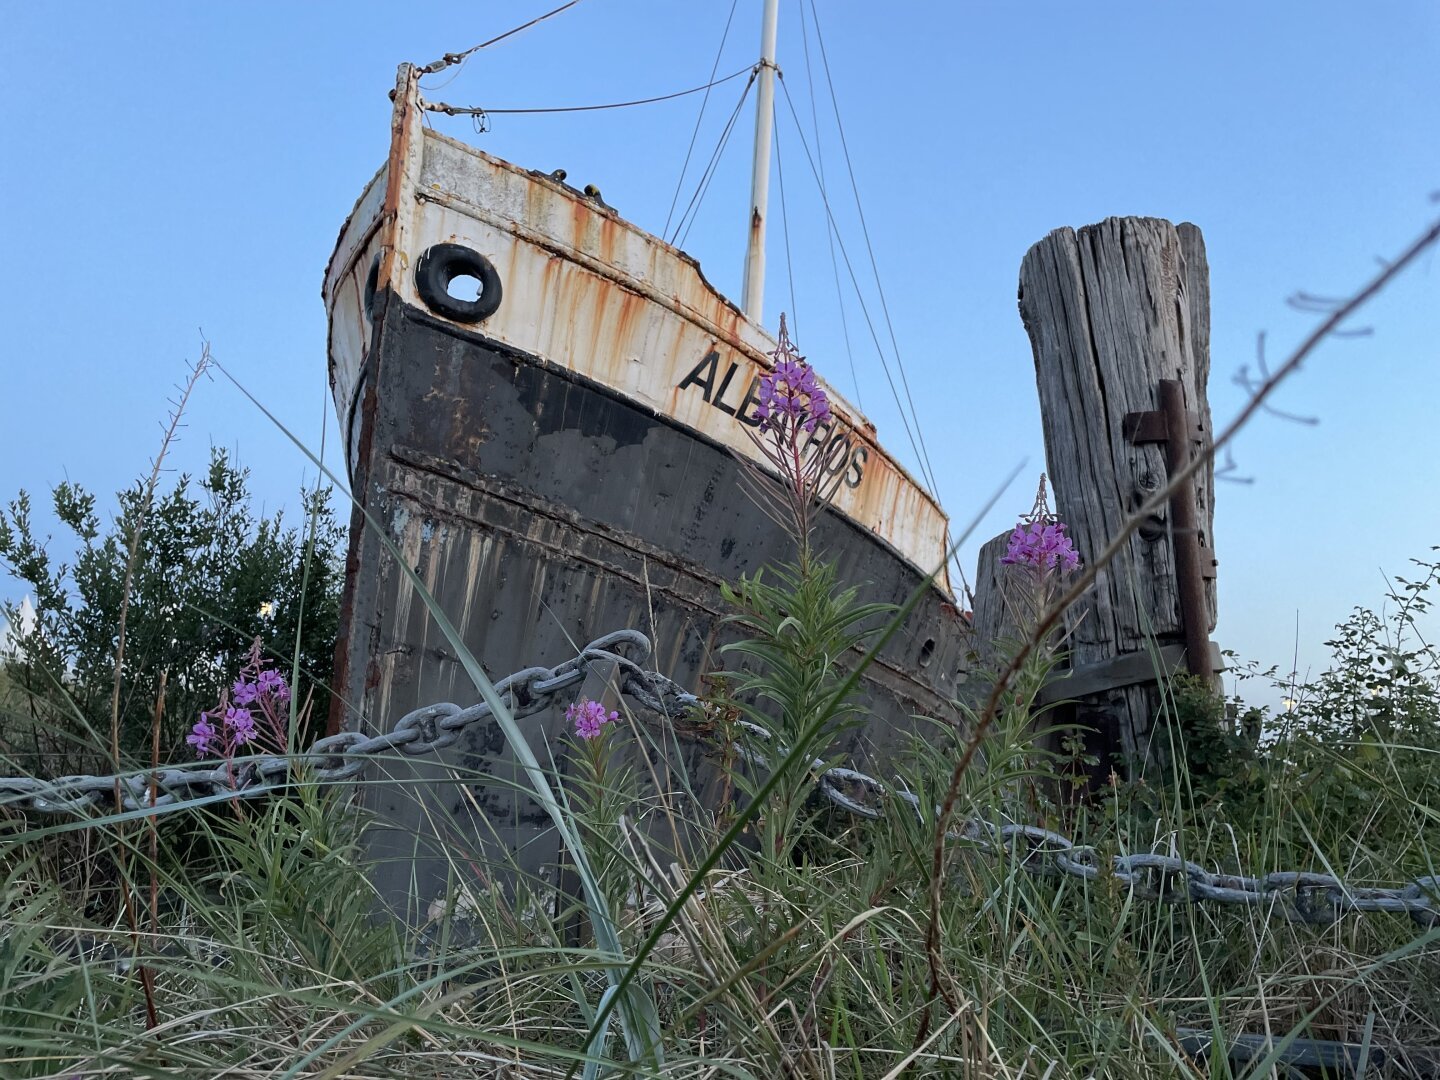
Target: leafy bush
<point>1345,774</point>
<point>211,576</point>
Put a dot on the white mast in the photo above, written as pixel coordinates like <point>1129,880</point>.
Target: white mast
<point>753,290</point>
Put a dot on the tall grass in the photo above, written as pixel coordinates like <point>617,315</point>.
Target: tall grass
<point>782,936</point>
<point>806,955</point>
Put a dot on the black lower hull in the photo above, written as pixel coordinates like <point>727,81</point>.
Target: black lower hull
<point>543,511</point>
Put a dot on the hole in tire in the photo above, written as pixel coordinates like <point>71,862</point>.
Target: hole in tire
<point>463,287</point>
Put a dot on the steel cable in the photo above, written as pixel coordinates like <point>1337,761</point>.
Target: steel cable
<point>472,110</point>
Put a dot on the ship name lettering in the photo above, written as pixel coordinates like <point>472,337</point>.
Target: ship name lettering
<point>839,451</point>
<point>857,467</point>
<point>704,374</point>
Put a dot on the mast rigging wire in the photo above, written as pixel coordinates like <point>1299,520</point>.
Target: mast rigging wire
<point>693,209</point>
<point>829,227</point>
<point>459,58</point>
<point>471,110</point>
<point>850,269</point>
<point>680,180</point>
<point>785,227</point>
<point>927,469</point>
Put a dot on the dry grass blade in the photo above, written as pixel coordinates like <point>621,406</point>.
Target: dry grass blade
<point>1047,623</point>
<point>172,429</point>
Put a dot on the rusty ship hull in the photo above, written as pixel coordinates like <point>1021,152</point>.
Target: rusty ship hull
<point>560,458</point>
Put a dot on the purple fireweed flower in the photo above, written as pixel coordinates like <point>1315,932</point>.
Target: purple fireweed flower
<point>241,725</point>
<point>588,717</point>
<point>273,684</point>
<point>1041,545</point>
<point>790,401</point>
<point>202,736</point>
<point>251,714</point>
<point>791,392</point>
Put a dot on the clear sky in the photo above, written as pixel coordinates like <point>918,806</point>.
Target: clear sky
<point>172,167</point>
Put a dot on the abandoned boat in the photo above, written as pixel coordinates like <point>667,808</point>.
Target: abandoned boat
<point>559,457</point>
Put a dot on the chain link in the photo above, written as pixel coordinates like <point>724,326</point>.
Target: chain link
<point>335,758</point>
<point>1301,896</point>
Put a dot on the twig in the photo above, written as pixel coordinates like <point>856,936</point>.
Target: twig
<point>147,976</point>
<point>137,529</point>
<point>1338,314</point>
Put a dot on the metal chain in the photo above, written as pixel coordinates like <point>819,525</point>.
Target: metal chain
<point>1301,896</point>
<point>331,759</point>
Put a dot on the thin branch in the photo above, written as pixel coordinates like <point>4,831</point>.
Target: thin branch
<point>1156,502</point>
<point>1228,467</point>
<point>136,530</point>
<point>1252,387</point>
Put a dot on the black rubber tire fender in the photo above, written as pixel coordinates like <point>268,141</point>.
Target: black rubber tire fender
<point>443,263</point>
<point>372,281</point>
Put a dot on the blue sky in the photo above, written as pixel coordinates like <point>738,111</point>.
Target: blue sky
<point>174,167</point>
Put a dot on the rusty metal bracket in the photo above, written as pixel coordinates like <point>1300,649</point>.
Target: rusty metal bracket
<point>1152,426</point>
<point>1178,428</point>
<point>1127,669</point>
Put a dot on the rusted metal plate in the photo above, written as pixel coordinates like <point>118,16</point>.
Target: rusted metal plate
<point>590,292</point>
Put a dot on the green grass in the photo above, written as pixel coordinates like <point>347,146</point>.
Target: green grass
<point>245,939</point>
<point>803,955</point>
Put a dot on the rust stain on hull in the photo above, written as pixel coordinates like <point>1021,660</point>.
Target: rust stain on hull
<point>588,291</point>
<point>566,466</point>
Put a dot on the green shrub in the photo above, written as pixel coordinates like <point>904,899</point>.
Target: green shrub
<point>211,576</point>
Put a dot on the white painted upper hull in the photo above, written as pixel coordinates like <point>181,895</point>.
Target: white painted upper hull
<point>589,292</point>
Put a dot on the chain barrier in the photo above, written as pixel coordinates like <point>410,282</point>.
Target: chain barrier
<point>1301,896</point>
<point>332,759</point>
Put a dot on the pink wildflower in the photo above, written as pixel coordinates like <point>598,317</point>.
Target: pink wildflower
<point>791,392</point>
<point>202,736</point>
<point>1041,545</point>
<point>588,717</point>
<point>253,713</point>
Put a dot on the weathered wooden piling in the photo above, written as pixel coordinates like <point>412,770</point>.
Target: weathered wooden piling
<point>1113,311</point>
<point>993,616</point>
